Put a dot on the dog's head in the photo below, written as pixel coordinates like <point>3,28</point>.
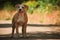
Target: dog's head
<point>21,7</point>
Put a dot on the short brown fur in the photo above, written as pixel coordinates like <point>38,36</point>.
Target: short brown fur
<point>20,19</point>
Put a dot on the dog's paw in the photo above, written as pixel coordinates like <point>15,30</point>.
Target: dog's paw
<point>12,36</point>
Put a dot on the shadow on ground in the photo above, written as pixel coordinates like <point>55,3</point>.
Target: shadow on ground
<point>31,25</point>
<point>39,35</point>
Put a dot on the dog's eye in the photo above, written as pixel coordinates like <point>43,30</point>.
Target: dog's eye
<point>18,7</point>
<point>22,7</point>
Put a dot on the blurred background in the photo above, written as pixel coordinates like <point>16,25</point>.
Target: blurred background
<point>40,11</point>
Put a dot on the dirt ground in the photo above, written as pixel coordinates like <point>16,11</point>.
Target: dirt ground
<point>34,32</point>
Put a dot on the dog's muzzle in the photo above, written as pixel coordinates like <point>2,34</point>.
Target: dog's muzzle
<point>20,9</point>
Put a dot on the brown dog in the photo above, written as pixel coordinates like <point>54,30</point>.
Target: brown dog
<point>20,18</point>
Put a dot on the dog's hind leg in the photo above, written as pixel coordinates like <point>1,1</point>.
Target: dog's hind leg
<point>13,28</point>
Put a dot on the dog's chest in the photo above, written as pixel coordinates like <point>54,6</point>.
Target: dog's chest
<point>20,18</point>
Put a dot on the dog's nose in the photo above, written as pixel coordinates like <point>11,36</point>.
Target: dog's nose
<point>19,9</point>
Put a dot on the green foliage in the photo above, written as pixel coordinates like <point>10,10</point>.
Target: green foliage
<point>40,5</point>
<point>8,6</point>
<point>31,5</point>
<point>43,5</point>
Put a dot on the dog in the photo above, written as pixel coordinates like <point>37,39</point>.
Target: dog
<point>20,19</point>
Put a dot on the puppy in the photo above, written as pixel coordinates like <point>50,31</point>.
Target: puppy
<point>20,19</point>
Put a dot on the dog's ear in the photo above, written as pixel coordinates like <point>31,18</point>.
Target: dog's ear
<point>17,5</point>
<point>26,7</point>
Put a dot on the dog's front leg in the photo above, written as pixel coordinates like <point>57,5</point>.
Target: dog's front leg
<point>17,31</point>
<point>24,30</point>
